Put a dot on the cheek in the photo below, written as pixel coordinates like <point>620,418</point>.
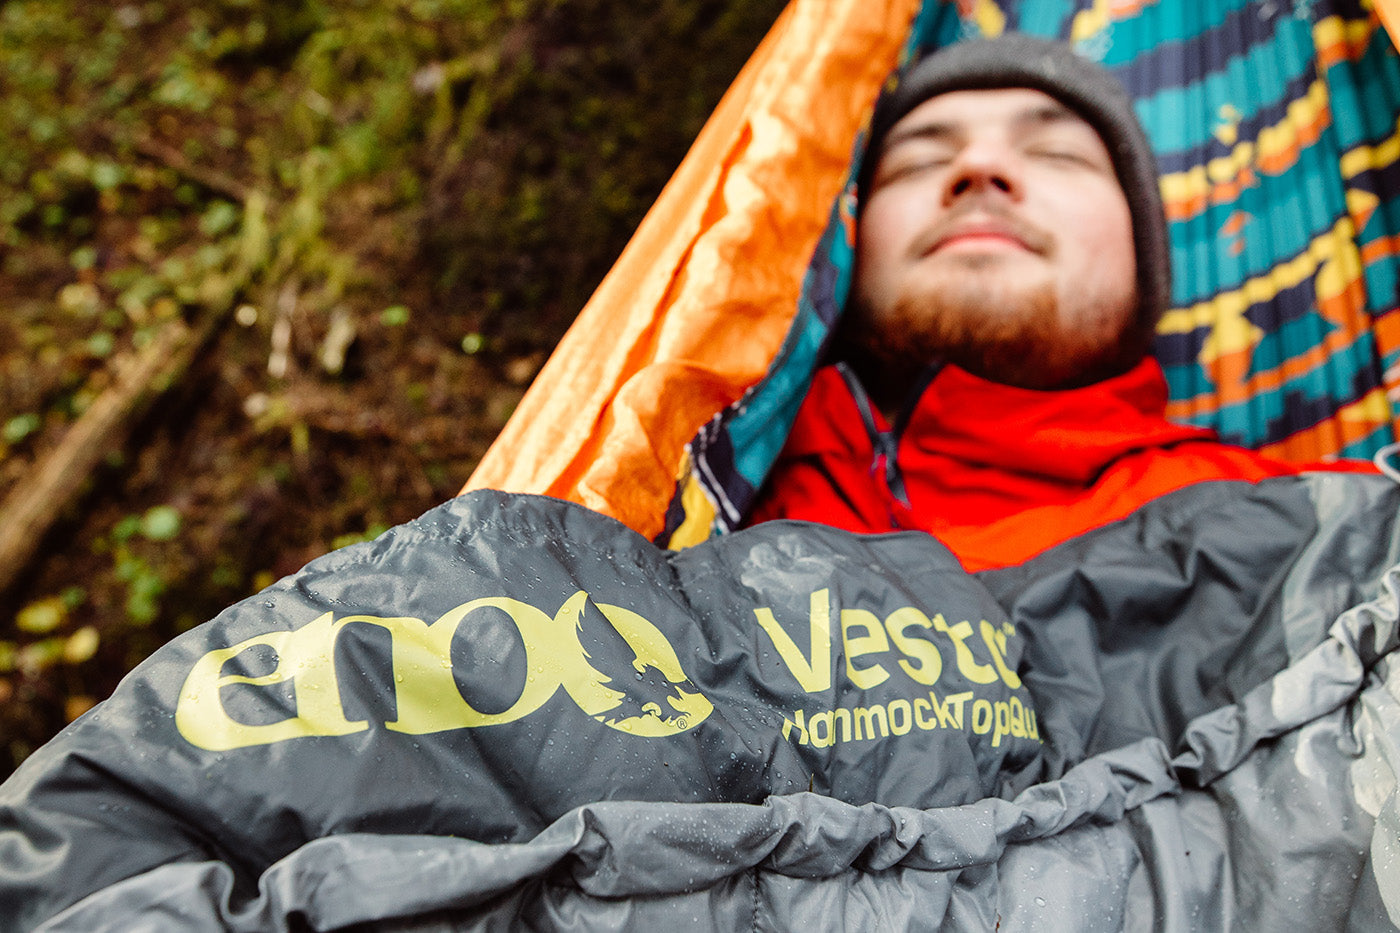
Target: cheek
<point>1103,229</point>
<point>886,228</point>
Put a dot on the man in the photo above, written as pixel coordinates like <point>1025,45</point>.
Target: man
<point>514,712</point>
<point>1011,265</point>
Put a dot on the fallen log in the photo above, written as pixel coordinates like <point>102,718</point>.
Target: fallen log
<point>57,479</point>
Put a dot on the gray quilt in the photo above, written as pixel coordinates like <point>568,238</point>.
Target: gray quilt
<point>514,712</point>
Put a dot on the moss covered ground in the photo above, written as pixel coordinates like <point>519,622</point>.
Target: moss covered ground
<point>385,212</point>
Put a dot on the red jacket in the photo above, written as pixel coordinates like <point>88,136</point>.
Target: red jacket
<point>997,473</point>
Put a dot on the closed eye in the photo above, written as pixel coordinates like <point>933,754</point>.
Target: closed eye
<point>1068,156</point>
<point>907,164</point>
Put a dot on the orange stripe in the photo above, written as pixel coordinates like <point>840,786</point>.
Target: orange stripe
<point>1274,150</point>
<point>1328,438</point>
<point>1382,248</point>
<point>1348,48</point>
<point>1121,9</point>
<point>1279,162</point>
<point>655,354</point>
<point>1220,193</point>
<point>1232,386</point>
<point>1234,224</point>
<point>1387,331</point>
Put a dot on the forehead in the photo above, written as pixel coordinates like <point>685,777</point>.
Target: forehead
<point>1014,110</point>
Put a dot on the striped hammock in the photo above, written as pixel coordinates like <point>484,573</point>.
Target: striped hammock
<point>1275,126</point>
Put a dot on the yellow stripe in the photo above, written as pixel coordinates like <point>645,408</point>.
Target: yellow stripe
<point>1342,267</point>
<point>1305,112</point>
<point>1090,21</point>
<point>1197,181</point>
<point>1334,30</point>
<point>1231,331</point>
<point>1364,158</point>
<point>1371,408</point>
<point>989,18</point>
<point>699,513</point>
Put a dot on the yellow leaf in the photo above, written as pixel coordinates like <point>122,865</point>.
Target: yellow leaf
<point>81,645</point>
<point>42,616</point>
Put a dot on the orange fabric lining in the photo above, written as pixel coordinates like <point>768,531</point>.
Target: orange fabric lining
<point>656,352</point>
<point>1389,11</point>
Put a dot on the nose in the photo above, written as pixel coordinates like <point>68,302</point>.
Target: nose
<point>984,167</point>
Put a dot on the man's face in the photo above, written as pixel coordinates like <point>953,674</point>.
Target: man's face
<point>994,235</point>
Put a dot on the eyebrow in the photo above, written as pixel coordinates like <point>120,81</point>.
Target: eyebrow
<point>1033,117</point>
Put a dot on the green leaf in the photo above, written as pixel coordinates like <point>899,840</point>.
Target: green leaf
<point>221,217</point>
<point>126,528</point>
<point>160,523</point>
<point>20,426</point>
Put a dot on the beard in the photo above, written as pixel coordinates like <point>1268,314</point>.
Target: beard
<point>978,317</point>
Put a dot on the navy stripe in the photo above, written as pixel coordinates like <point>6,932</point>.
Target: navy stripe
<point>1301,412</point>
<point>1248,129</point>
<point>1183,62</point>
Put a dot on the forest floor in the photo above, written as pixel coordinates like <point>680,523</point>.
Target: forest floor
<point>376,219</point>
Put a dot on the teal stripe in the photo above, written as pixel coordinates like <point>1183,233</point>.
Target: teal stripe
<point>1161,23</point>
<point>1366,95</point>
<point>1246,422</point>
<point>1382,279</point>
<point>759,433</point>
<point>1366,447</point>
<point>1287,213</point>
<point>1049,18</point>
<point>1264,70</point>
<point>936,25</point>
<point>1390,359</point>
<point>1291,339</point>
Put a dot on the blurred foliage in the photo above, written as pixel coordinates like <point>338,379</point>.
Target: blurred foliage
<point>398,205</point>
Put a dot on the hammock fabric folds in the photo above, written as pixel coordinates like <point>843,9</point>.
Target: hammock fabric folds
<point>1275,124</point>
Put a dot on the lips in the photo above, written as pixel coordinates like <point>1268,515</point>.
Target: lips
<point>980,235</point>
<point>978,229</point>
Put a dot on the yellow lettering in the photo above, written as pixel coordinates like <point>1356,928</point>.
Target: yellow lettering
<point>950,711</point>
<point>801,725</point>
<point>304,656</point>
<point>812,675</point>
<point>968,666</point>
<point>982,717</point>
<point>426,692</point>
<point>818,739</point>
<point>843,716</point>
<point>921,717</point>
<point>996,644</point>
<point>1018,718</point>
<point>927,662</point>
<point>650,649</point>
<point>1002,726</point>
<point>866,720</point>
<point>871,642</point>
<point>426,689</point>
<point>901,707</point>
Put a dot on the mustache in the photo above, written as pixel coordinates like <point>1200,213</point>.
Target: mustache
<point>992,213</point>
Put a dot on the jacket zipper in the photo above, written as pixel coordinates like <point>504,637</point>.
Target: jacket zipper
<point>885,444</point>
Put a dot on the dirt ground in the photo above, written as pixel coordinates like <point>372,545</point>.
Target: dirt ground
<point>385,214</point>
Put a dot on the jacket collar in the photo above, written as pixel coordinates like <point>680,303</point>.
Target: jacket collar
<point>1068,435</point>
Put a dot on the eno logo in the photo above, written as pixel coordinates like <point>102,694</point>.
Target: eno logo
<point>425,687</point>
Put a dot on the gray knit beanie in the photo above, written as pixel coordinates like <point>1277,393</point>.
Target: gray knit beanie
<point>1081,85</point>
